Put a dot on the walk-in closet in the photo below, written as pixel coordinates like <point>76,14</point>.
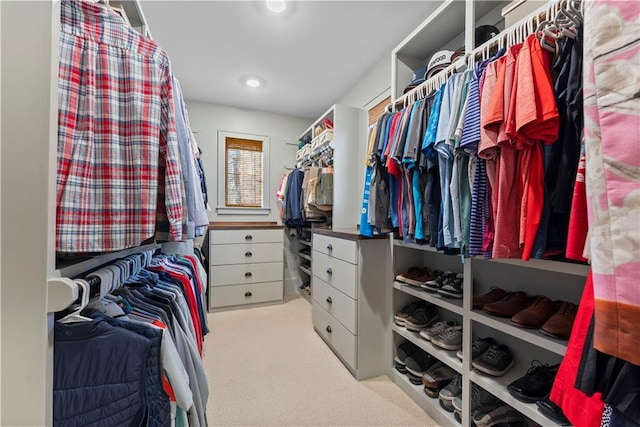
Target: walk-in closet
<point>309,213</point>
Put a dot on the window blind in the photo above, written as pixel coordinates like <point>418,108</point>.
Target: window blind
<point>376,111</point>
<point>243,175</point>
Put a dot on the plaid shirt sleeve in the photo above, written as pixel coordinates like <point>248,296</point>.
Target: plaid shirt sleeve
<point>116,132</point>
<point>171,156</point>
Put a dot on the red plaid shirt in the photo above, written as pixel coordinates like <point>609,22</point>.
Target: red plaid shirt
<point>116,131</point>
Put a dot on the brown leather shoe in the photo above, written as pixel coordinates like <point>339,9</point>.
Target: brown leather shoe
<point>536,314</point>
<point>561,323</point>
<point>509,305</point>
<point>495,294</point>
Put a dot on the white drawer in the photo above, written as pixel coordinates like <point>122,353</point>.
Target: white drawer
<point>339,274</point>
<point>223,275</point>
<point>340,306</point>
<point>346,250</point>
<point>336,335</point>
<point>225,296</point>
<point>224,237</point>
<point>245,253</point>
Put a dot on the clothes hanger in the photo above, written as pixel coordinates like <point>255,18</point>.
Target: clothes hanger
<point>75,316</point>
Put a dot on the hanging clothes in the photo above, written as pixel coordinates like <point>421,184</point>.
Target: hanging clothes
<point>579,408</point>
<point>109,163</point>
<point>612,120</point>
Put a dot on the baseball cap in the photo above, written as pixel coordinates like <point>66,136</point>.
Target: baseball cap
<point>484,33</point>
<point>417,78</point>
<point>438,62</point>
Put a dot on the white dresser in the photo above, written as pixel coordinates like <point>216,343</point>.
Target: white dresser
<point>351,299</point>
<point>245,265</point>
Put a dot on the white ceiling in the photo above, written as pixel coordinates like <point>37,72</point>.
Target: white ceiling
<point>310,55</point>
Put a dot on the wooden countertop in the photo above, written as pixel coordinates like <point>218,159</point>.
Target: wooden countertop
<point>244,225</point>
<point>346,233</point>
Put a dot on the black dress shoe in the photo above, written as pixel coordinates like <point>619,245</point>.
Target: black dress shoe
<point>552,411</point>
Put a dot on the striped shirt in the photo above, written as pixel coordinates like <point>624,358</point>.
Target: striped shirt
<point>116,130</point>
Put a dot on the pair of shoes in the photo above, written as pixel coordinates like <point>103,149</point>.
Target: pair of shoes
<point>494,415</point>
<point>403,351</point>
<point>447,335</point>
<point>437,377</point>
<point>479,396</point>
<point>417,364</point>
<point>447,284</point>
<point>495,361</point>
<point>553,318</point>
<point>450,338</point>
<point>552,411</point>
<point>509,305</point>
<point>450,392</point>
<point>416,276</point>
<point>536,384</point>
<point>478,347</point>
<point>420,314</point>
<point>417,316</point>
<point>422,317</point>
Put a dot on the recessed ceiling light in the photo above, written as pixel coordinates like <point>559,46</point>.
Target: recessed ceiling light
<point>276,6</point>
<point>252,82</point>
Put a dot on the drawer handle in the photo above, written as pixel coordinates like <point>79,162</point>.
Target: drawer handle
<point>248,274</point>
<point>329,271</point>
<point>248,237</point>
<point>328,329</point>
<point>248,254</point>
<point>329,300</point>
<point>248,294</point>
<point>329,247</point>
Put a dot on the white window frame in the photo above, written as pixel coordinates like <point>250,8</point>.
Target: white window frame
<point>221,209</point>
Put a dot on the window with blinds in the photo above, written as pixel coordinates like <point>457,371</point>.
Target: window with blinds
<point>243,173</point>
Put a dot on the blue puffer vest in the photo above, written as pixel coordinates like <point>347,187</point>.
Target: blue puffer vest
<point>159,407</point>
<point>99,375</point>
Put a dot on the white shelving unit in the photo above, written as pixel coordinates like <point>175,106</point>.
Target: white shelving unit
<point>347,196</point>
<point>450,26</point>
<point>304,275</point>
<point>539,277</point>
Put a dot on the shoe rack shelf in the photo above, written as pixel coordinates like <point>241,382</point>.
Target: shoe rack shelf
<point>534,336</point>
<point>429,405</point>
<point>445,356</point>
<point>304,242</point>
<point>556,280</point>
<point>453,305</point>
<point>307,257</point>
<point>498,387</point>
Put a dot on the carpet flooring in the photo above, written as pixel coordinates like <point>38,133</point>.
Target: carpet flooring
<point>267,367</point>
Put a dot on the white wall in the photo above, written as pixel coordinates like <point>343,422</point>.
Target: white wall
<point>373,87</point>
<point>207,119</point>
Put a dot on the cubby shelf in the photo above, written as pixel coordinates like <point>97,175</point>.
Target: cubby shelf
<point>498,387</point>
<point>305,270</point>
<point>429,405</point>
<point>445,356</point>
<point>304,256</point>
<point>451,304</point>
<point>304,242</point>
<point>534,336</point>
